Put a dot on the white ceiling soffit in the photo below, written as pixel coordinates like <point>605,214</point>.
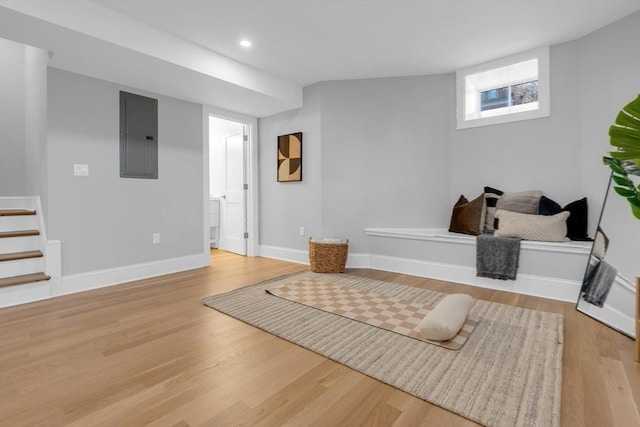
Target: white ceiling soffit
<point>308,41</point>
<point>88,39</point>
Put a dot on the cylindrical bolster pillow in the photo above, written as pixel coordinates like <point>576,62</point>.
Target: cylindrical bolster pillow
<point>447,317</point>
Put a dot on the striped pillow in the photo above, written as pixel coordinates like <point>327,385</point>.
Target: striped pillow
<point>491,197</point>
<point>532,227</point>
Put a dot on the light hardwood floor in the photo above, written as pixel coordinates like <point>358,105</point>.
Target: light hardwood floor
<point>149,352</point>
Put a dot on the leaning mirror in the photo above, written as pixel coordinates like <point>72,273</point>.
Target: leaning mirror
<point>608,287</point>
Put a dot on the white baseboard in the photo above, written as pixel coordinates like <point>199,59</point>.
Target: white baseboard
<point>611,317</point>
<point>527,284</point>
<point>618,311</point>
<point>98,279</point>
<point>22,294</point>
<point>302,256</point>
<point>359,261</point>
<point>53,264</point>
<point>285,254</point>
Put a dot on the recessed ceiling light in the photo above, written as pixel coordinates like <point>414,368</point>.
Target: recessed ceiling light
<point>245,43</point>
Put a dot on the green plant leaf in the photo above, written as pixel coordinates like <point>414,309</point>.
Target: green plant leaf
<point>630,166</point>
<point>615,166</point>
<point>629,115</point>
<point>626,154</point>
<point>636,211</point>
<point>624,142</point>
<point>625,192</point>
<point>624,132</point>
<point>633,108</point>
<point>623,181</point>
<point>624,119</point>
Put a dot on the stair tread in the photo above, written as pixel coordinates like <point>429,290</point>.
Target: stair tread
<point>20,255</point>
<point>19,233</point>
<point>16,212</point>
<point>25,278</point>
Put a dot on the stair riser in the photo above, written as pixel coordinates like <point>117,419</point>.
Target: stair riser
<point>12,223</point>
<point>21,294</point>
<point>20,267</point>
<point>17,203</point>
<point>19,244</point>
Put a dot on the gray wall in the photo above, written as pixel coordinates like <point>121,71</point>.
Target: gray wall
<point>23,119</point>
<point>105,221</point>
<point>375,153</point>
<point>540,154</point>
<point>609,79</point>
<point>35,99</point>
<point>12,119</point>
<point>389,154</point>
<point>591,79</point>
<point>286,206</point>
<point>385,154</point>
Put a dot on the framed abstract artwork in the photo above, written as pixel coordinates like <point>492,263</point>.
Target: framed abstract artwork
<point>290,157</point>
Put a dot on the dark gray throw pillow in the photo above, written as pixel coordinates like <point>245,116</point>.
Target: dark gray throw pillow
<point>577,223</point>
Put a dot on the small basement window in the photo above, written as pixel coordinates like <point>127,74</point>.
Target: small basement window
<point>138,136</point>
<point>506,90</point>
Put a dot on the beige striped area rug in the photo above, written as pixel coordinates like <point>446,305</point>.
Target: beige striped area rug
<point>508,373</point>
<point>392,314</point>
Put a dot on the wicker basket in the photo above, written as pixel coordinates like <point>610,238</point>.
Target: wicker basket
<point>328,257</point>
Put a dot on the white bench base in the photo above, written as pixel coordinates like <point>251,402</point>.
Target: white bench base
<point>547,269</point>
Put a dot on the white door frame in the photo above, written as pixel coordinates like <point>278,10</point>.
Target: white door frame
<point>251,171</point>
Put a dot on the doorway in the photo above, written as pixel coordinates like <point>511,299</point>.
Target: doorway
<point>228,184</point>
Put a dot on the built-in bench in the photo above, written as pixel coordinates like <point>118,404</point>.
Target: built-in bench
<point>546,269</point>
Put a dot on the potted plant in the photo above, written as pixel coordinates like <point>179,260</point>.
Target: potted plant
<point>625,160</point>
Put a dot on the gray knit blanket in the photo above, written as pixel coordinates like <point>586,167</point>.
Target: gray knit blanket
<point>497,257</point>
<point>598,283</point>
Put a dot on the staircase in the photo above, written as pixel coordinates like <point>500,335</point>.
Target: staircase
<point>24,263</point>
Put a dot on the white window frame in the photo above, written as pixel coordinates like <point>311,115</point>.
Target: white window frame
<point>544,101</point>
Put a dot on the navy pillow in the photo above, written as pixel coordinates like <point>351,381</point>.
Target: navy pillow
<point>577,224</point>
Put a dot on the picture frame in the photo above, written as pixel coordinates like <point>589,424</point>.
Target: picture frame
<point>290,157</point>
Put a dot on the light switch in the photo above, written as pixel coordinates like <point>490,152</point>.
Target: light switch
<point>80,170</point>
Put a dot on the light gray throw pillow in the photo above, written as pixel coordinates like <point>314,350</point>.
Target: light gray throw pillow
<point>523,202</point>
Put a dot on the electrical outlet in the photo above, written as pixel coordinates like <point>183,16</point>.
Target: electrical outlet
<point>80,170</point>
<point>156,238</point>
<point>301,231</point>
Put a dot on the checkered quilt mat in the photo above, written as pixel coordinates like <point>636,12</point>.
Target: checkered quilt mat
<point>381,311</point>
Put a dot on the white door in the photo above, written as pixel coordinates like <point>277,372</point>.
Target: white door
<point>233,201</point>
